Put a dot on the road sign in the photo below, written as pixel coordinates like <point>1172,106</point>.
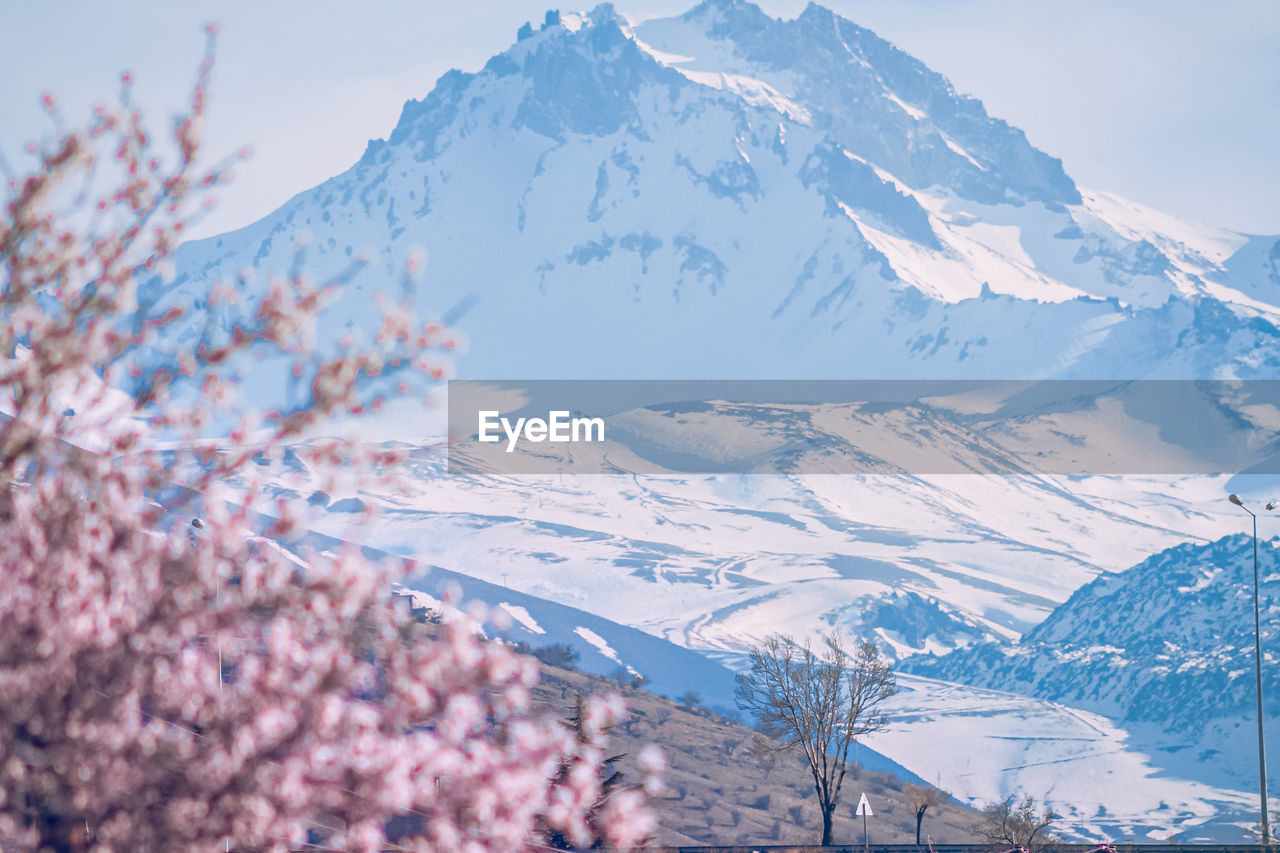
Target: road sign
<point>864,809</point>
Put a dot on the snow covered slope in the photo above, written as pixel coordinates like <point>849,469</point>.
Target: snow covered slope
<point>604,647</point>
<point>985,746</point>
<point>724,194</point>
<point>1164,649</point>
<point>713,563</point>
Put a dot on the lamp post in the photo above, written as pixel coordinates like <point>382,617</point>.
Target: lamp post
<point>1257,672</point>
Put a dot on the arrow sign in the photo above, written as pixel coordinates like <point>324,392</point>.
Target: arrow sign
<point>864,809</point>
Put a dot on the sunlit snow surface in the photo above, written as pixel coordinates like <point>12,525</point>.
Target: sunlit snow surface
<point>985,746</point>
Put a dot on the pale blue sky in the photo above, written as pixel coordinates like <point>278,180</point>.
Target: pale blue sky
<point>1172,103</point>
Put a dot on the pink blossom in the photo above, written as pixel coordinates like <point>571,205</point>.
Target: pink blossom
<point>170,686</point>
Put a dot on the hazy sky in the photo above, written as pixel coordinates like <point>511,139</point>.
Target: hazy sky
<point>1172,103</point>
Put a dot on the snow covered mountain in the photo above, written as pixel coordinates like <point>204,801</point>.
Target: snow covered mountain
<point>1164,648</point>
<point>725,194</point>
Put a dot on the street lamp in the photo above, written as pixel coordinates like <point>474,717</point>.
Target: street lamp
<point>1257,671</point>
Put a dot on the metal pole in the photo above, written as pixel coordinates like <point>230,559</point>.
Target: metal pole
<point>866,839</point>
<point>1257,671</point>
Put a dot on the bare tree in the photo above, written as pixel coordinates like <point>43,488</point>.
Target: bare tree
<point>921,798</point>
<point>1014,824</point>
<point>818,701</point>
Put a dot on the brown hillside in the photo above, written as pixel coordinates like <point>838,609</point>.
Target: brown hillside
<point>719,791</point>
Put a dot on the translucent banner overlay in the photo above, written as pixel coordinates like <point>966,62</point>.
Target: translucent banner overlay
<point>901,427</point>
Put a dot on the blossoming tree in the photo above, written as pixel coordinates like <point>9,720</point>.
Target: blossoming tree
<point>160,691</point>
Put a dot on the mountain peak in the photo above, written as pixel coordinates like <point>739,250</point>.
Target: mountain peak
<point>816,12</point>
<point>880,103</point>
<point>831,194</point>
<point>708,6</point>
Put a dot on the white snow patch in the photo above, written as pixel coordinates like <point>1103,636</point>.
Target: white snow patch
<point>1134,221</point>
<point>662,56</point>
<point>956,148</point>
<point>1005,240</point>
<point>521,615</point>
<point>916,114</point>
<point>602,645</point>
<point>418,598</point>
<point>263,542</point>
<point>572,21</point>
<point>755,92</point>
<point>960,273</point>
